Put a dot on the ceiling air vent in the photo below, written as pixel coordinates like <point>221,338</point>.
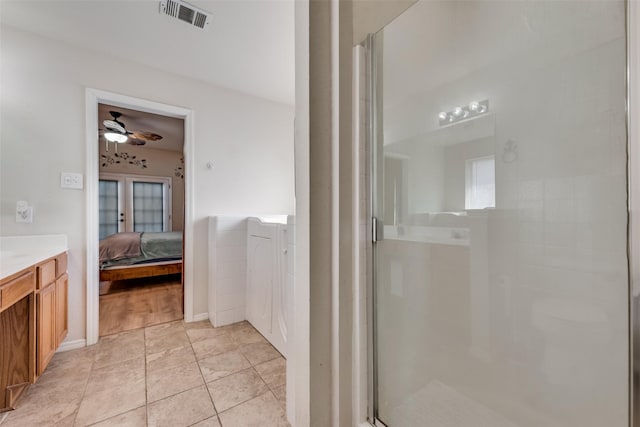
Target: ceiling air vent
<point>185,12</point>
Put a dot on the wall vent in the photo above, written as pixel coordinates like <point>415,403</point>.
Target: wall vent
<point>185,12</point>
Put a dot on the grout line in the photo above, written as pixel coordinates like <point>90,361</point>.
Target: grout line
<point>116,415</point>
<point>86,385</point>
<point>206,387</point>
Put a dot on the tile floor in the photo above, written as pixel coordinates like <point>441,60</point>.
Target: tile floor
<point>173,374</point>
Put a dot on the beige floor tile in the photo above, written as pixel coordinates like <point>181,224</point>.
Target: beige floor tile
<point>73,358</point>
<point>235,389</point>
<point>52,384</point>
<point>209,422</point>
<point>167,342</point>
<point>163,329</point>
<point>114,376</point>
<point>45,412</point>
<point>261,411</point>
<point>181,410</point>
<point>281,394</point>
<point>170,358</point>
<point>199,334</point>
<point>200,324</point>
<point>246,334</point>
<point>49,401</point>
<point>59,375</point>
<point>223,364</point>
<point>214,345</point>
<point>259,352</point>
<point>134,418</point>
<point>273,372</point>
<point>120,347</point>
<point>67,421</point>
<point>166,382</point>
<point>236,326</point>
<point>106,403</point>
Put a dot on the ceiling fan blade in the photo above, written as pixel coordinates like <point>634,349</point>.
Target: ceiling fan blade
<point>147,136</point>
<point>136,141</point>
<point>113,126</point>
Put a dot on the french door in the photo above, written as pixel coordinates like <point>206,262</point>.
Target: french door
<point>134,203</point>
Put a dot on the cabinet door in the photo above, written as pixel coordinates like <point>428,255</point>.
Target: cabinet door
<point>46,346</point>
<point>62,285</point>
<point>260,268</point>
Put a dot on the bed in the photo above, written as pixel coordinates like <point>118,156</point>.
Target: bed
<point>136,255</point>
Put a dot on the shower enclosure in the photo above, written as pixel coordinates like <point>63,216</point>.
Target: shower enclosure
<point>500,290</point>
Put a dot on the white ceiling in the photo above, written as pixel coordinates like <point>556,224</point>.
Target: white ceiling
<point>171,129</point>
<point>249,45</point>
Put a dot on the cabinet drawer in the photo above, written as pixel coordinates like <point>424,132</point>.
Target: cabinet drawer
<point>46,273</point>
<point>61,264</point>
<point>17,289</point>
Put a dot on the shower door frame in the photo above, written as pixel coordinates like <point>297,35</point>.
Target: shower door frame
<point>633,176</point>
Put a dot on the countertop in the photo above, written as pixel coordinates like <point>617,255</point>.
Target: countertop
<point>20,252</point>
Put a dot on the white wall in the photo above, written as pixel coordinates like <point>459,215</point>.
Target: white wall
<point>249,140</point>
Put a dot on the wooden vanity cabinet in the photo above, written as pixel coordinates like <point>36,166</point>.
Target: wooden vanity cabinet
<point>51,301</point>
<point>17,336</point>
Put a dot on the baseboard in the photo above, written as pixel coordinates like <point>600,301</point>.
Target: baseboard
<point>71,345</point>
<point>201,316</point>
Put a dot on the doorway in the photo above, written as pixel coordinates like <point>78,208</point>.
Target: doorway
<point>141,218</point>
<point>160,210</point>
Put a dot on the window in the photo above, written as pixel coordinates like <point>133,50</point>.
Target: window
<point>480,189</point>
<point>133,203</point>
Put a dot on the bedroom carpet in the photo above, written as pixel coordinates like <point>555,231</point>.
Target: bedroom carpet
<point>131,304</point>
<point>173,374</point>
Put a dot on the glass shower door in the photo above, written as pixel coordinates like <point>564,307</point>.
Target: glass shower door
<point>500,294</point>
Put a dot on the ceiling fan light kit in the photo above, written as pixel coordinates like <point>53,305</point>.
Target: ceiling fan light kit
<point>115,137</point>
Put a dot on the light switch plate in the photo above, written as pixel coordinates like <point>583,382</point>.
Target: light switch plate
<point>71,180</point>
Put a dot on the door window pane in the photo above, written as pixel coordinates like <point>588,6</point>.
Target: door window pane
<point>148,206</point>
<point>108,208</point>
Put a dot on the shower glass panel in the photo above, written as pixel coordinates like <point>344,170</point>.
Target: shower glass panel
<point>500,295</point>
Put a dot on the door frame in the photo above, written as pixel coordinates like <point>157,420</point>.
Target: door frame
<point>93,97</point>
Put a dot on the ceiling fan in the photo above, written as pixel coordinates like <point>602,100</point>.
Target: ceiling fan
<point>115,131</point>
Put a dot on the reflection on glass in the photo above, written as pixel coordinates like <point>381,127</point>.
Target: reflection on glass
<point>480,191</point>
<point>501,281</point>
